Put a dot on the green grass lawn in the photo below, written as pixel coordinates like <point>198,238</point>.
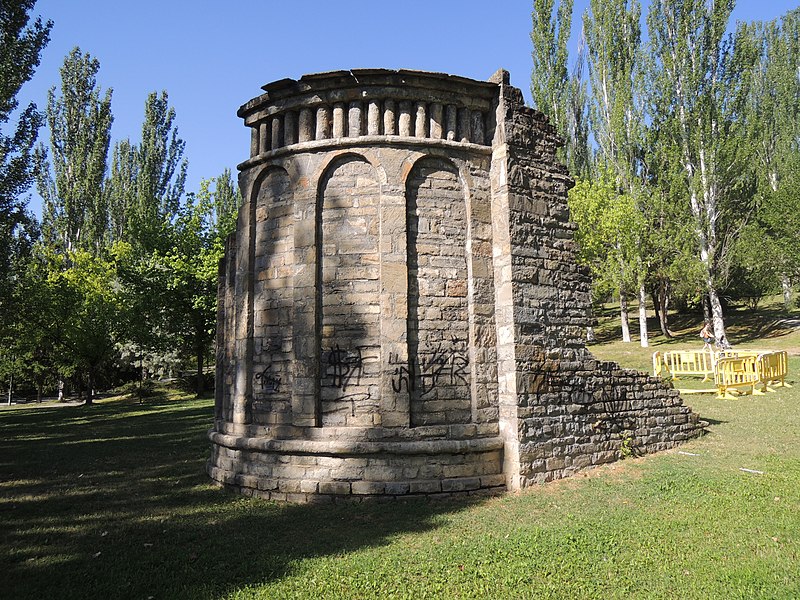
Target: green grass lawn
<point>112,502</point>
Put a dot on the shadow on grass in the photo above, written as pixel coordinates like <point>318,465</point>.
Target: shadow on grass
<point>112,501</point>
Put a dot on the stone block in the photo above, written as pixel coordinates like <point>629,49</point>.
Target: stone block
<point>461,484</point>
<point>422,486</point>
<point>340,488</point>
<point>368,487</point>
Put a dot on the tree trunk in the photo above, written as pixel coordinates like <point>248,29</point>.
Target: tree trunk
<point>643,316</point>
<point>199,386</point>
<point>717,318</point>
<point>786,284</point>
<point>662,300</point>
<point>60,390</point>
<point>623,316</point>
<point>656,306</point>
<point>39,386</point>
<point>10,388</point>
<point>90,387</point>
<point>706,310</point>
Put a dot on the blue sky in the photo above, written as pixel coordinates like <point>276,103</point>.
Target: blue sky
<point>211,57</point>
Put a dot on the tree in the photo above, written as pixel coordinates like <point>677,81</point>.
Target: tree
<point>774,118</point>
<point>36,333</point>
<point>74,212</point>
<point>161,174</point>
<point>21,45</point>
<point>557,94</point>
<point>225,205</point>
<point>699,80</point>
<point>614,56</point>
<point>120,189</point>
<point>200,231</point>
<point>609,229</point>
<point>88,286</point>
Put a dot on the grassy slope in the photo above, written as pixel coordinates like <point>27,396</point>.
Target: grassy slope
<point>112,501</point>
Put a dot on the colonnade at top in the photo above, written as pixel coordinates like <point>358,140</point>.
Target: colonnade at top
<point>374,117</point>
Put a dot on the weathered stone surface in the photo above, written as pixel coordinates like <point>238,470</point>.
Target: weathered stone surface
<point>402,314</point>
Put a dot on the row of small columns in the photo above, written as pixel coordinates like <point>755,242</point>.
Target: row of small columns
<point>403,118</point>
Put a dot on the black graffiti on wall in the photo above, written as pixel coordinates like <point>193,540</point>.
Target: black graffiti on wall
<point>344,367</point>
<point>269,381</point>
<point>353,400</point>
<point>441,365</point>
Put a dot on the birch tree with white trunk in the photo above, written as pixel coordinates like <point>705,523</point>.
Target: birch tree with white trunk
<point>699,80</point>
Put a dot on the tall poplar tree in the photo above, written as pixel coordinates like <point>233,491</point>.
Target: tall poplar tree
<point>120,188</point>
<point>774,121</point>
<point>555,92</point>
<point>699,81</point>
<point>161,176</point>
<point>21,44</point>
<point>146,182</point>
<point>614,56</point>
<point>74,211</point>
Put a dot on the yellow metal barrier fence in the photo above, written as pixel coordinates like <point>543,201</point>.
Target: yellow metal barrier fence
<point>773,368</point>
<point>739,370</point>
<point>685,362</point>
<point>737,373</point>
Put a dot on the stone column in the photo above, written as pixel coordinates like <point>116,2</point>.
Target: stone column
<point>277,133</point>
<point>421,122</point>
<point>394,305</point>
<point>289,128</point>
<point>374,118</point>
<point>323,123</point>
<point>451,121</point>
<point>464,122</point>
<point>264,131</point>
<point>389,117</point>
<point>305,129</point>
<point>243,326</point>
<point>404,122</point>
<point>254,146</point>
<point>504,310</point>
<point>338,120</point>
<point>436,121</point>
<point>354,120</point>
<point>304,307</point>
<point>477,127</point>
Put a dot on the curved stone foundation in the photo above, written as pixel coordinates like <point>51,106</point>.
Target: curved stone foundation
<point>299,470</point>
<point>400,311</point>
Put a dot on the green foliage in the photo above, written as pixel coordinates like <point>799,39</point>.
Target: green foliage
<point>161,175</point>
<point>626,448</point>
<point>199,235</point>
<point>549,75</point>
<point>555,92</point>
<point>20,47</point>
<point>610,229</point>
<point>88,285</point>
<point>774,99</point>
<point>125,275</point>
<point>75,213</point>
<point>699,81</point>
<point>614,55</point>
<point>21,44</point>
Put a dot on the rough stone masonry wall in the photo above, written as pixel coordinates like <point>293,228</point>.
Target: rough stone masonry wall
<point>572,411</point>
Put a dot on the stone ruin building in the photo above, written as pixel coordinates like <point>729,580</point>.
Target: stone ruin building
<point>400,310</point>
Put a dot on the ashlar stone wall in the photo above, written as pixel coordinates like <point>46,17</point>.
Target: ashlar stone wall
<point>400,310</point>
